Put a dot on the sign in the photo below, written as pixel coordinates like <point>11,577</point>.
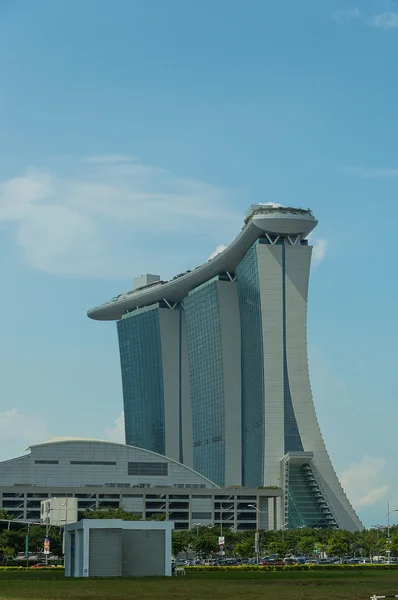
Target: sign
<point>27,546</point>
<point>222,553</point>
<point>221,540</point>
<point>46,546</point>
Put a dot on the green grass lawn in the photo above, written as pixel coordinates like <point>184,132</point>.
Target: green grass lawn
<point>221,585</point>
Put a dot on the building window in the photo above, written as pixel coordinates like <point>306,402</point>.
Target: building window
<point>93,462</point>
<point>201,515</point>
<point>148,468</point>
<point>46,462</point>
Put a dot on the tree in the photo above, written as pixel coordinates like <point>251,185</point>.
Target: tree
<point>37,533</point>
<point>157,517</point>
<point>244,548</point>
<point>205,543</point>
<point>5,553</point>
<point>278,547</point>
<point>181,541</point>
<point>306,545</point>
<point>112,513</point>
<point>5,516</point>
<point>337,546</point>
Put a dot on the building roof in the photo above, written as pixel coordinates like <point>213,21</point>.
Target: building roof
<point>78,449</point>
<point>262,219</point>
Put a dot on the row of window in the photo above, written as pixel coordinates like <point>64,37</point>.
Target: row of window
<point>133,468</point>
<point>148,468</point>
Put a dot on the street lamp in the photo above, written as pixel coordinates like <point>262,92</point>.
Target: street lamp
<point>389,512</point>
<point>256,541</point>
<point>222,510</point>
<point>197,525</point>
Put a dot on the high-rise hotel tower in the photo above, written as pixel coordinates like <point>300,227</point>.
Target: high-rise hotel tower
<point>215,373</point>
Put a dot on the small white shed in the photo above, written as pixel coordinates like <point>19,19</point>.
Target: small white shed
<point>117,548</point>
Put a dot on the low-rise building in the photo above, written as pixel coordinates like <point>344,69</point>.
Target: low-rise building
<point>104,474</point>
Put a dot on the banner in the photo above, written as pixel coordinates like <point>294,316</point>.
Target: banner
<point>46,547</point>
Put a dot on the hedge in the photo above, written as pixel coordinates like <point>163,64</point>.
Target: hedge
<point>31,569</point>
<point>337,567</point>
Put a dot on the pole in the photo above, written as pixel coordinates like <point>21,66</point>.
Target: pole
<point>47,528</point>
<point>27,547</point>
<point>257,537</point>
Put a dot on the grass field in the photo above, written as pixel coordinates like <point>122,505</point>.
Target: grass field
<point>202,586</point>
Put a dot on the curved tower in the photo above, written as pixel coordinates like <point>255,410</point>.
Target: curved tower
<point>215,371</point>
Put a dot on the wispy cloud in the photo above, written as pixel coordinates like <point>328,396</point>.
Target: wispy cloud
<point>219,249</point>
<point>18,430</point>
<point>364,482</point>
<point>109,159</point>
<point>97,220</point>
<point>342,17</point>
<point>386,20</point>
<point>116,433</point>
<point>373,172</point>
<point>319,251</point>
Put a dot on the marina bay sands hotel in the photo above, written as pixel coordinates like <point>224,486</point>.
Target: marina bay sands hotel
<point>215,373</point>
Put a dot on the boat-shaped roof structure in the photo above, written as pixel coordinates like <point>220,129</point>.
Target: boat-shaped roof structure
<point>261,220</point>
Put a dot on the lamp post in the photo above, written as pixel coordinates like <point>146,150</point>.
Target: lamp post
<point>222,510</point>
<point>389,512</point>
<point>256,541</point>
<point>197,525</point>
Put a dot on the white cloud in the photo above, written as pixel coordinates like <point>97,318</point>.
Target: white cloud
<point>116,433</point>
<point>319,251</point>
<point>18,431</point>
<point>364,482</point>
<point>346,16</point>
<point>374,172</point>
<point>219,249</point>
<point>94,222</point>
<point>386,20</point>
<point>110,158</point>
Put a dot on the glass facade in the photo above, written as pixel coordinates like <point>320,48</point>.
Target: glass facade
<point>304,505</point>
<point>207,385</point>
<point>293,441</point>
<point>252,371</point>
<point>142,378</point>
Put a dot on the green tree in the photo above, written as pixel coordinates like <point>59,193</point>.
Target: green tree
<point>112,513</point>
<point>5,516</point>
<point>37,533</point>
<point>206,543</point>
<point>158,517</point>
<point>244,548</point>
<point>337,546</point>
<point>181,541</point>
<point>280,548</point>
<point>6,553</point>
<point>306,545</point>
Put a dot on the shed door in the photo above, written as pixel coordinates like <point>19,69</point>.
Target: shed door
<point>105,553</point>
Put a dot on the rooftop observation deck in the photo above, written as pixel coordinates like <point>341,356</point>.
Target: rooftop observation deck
<point>261,220</point>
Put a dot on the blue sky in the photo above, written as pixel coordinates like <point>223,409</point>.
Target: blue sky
<point>123,122</point>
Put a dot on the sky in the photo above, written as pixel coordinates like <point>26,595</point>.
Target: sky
<point>134,135</point>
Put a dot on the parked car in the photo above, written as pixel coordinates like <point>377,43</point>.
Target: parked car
<point>43,566</point>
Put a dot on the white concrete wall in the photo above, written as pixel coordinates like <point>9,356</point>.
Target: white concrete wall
<point>187,432</point>
<point>269,259</point>
<point>298,260</point>
<point>169,322</point>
